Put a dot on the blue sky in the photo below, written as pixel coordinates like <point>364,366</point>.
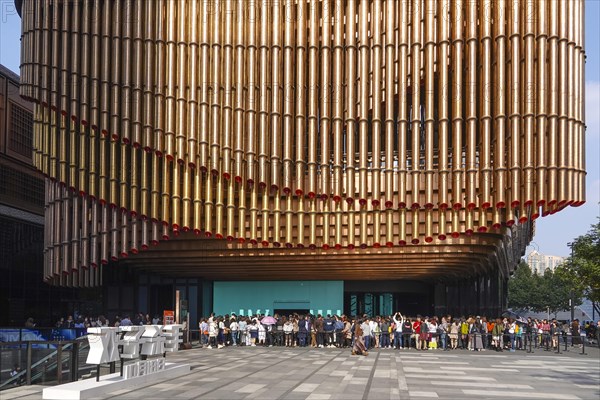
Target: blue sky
<point>553,232</point>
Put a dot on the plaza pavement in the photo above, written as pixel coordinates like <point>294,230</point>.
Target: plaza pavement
<point>293,373</point>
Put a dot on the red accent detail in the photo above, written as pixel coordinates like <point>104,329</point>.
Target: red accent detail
<point>276,244</point>
<point>154,242</point>
<point>112,205</point>
<point>103,262</point>
<point>455,235</point>
<point>250,182</point>
<point>214,172</point>
<point>197,232</point>
<point>312,246</point>
<point>230,238</point>
<point>262,185</point>
<point>428,206</point>
<point>203,169</point>
<point>528,203</point>
<point>338,246</point>
<point>92,197</point>
<point>165,237</point>
<point>81,193</point>
<point>72,188</point>
<point>124,255</point>
<point>349,200</point>
<point>471,206</point>
<point>535,216</point>
<point>207,234</point>
<point>299,192</point>
<point>147,149</point>
<point>376,245</point>
<point>192,165</point>
<point>134,251</point>
<point>325,247</point>
<point>388,204</point>
<point>84,122</point>
<point>300,245</point>
<point>443,206</point>
<point>180,161</point>
<point>402,242</point>
<point>551,203</point>
<point>114,137</point>
<point>415,206</point>
<point>137,145</point>
<point>522,219</point>
<point>102,202</point>
<point>44,104</point>
<point>274,188</point>
<point>415,241</point>
<point>158,153</point>
<point>482,229</point>
<point>289,245</point>
<point>362,202</point>
<point>126,140</point>
<point>541,203</point>
<point>145,247</point>
<point>428,239</point>
<point>389,244</point>
<point>153,220</point>
<point>510,222</point>
<point>133,213</point>
<point>515,204</point>
<point>265,243</point>
<point>486,205</point>
<point>287,191</point>
<point>123,210</point>
<point>337,198</point>
<point>241,240</point>
<point>113,258</point>
<point>103,132</point>
<point>350,247</point>
<point>219,236</point>
<point>324,197</point>
<point>497,226</point>
<point>500,204</point>
<point>401,205</point>
<point>74,118</point>
<point>457,206</point>
<point>375,203</point>
<point>442,237</point>
<point>238,179</point>
<point>226,176</point>
<point>169,157</point>
<point>311,195</point>
<point>253,242</point>
<point>185,229</point>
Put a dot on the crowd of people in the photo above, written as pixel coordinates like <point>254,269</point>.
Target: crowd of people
<point>397,331</point>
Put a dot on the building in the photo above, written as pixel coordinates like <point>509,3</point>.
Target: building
<point>361,156</point>
<point>22,291</point>
<point>539,263</point>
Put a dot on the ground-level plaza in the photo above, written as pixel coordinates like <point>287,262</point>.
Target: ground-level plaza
<point>273,373</point>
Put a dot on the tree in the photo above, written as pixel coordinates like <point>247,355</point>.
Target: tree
<point>584,264</point>
<point>551,291</point>
<point>520,286</point>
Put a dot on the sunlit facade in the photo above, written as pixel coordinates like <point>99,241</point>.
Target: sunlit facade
<point>305,139</point>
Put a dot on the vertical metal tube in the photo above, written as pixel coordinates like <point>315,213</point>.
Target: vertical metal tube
<point>124,113</point>
<point>457,104</point>
<point>187,187</point>
<point>486,105</point>
<point>350,104</point>
<point>471,106</point>
<point>171,77</point>
<point>377,118</point>
<point>337,99</point>
<point>553,78</point>
<point>215,93</point>
<point>276,128</point>
<point>137,91</point>
<point>515,120</point>
<point>198,196</point>
<point>160,66</point>
<point>251,100</point>
<point>227,103</point>
<point>390,108</point>
<point>403,127</point>
<point>150,77</point>
<point>264,73</point>
<point>313,96</point>
<point>363,101</point>
<point>429,112</point>
<point>542,100</point>
<point>240,75</point>
<point>528,161</point>
<point>174,190</point>
<point>326,95</point>
<point>208,206</point>
<point>183,81</point>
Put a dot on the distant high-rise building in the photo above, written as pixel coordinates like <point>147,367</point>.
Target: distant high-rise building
<point>540,262</point>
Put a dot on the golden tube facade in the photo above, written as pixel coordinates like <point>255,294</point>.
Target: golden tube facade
<point>234,118</point>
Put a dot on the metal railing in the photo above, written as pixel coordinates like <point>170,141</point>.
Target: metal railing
<point>40,362</point>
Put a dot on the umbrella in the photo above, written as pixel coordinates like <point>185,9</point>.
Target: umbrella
<point>268,321</point>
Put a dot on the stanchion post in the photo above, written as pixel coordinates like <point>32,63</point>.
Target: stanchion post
<point>59,363</point>
<point>28,375</point>
<point>583,345</point>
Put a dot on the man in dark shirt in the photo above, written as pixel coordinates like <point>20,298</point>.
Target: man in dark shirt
<point>320,330</point>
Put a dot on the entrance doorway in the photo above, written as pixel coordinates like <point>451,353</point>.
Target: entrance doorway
<point>161,298</point>
<point>287,312</point>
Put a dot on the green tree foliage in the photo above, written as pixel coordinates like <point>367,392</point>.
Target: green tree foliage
<point>584,265</point>
<point>551,291</point>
